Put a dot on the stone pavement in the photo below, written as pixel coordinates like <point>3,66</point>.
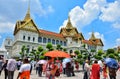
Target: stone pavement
<point>79,75</point>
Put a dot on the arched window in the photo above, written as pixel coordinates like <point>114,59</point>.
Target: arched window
<point>53,41</point>
<point>61,43</point>
<point>44,40</point>
<point>71,51</point>
<point>65,44</point>
<point>23,37</point>
<point>8,42</point>
<point>57,42</point>
<point>33,39</point>
<point>39,39</point>
<point>49,40</point>
<point>29,38</point>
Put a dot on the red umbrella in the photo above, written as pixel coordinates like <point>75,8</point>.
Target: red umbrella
<point>57,53</point>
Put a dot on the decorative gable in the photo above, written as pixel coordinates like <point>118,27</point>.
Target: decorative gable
<point>29,26</point>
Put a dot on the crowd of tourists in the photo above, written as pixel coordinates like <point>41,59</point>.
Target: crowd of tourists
<point>99,67</point>
<point>53,68</point>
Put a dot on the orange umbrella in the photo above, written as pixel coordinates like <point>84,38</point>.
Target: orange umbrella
<point>57,53</point>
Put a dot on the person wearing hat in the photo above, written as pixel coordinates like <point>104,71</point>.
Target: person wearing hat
<point>86,70</point>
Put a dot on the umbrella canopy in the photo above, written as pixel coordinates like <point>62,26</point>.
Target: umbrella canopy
<point>56,53</point>
<point>111,63</point>
<point>66,60</point>
<point>42,61</point>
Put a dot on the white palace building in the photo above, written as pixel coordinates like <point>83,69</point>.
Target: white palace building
<point>27,33</point>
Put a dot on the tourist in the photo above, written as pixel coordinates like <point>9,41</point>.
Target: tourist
<point>83,64</point>
<point>19,63</point>
<point>68,69</point>
<point>112,73</point>
<point>5,69</point>
<point>105,74</point>
<point>40,68</point>
<point>36,66</point>
<point>86,70</point>
<point>72,68</point>
<point>95,71</point>
<point>51,69</point>
<point>64,67</point>
<point>76,65</point>
<point>11,67</point>
<point>1,63</point>
<point>24,72</point>
<point>101,65</point>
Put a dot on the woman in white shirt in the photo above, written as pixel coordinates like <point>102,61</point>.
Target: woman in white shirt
<point>24,72</point>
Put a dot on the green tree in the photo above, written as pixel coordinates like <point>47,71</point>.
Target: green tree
<point>36,54</point>
<point>64,49</point>
<point>33,55</point>
<point>100,52</point>
<point>77,52</point>
<point>109,51</point>
<point>23,53</point>
<point>59,47</point>
<point>79,56</point>
<point>49,46</point>
<point>112,55</point>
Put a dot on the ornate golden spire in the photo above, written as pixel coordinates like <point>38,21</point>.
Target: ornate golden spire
<point>69,19</point>
<point>69,24</point>
<point>27,17</point>
<point>92,36</point>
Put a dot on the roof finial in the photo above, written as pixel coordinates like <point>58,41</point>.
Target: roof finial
<point>29,6</point>
<point>28,12</point>
<point>69,18</point>
<point>92,35</point>
<point>69,24</point>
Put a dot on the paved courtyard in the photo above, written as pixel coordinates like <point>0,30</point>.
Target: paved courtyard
<point>79,75</point>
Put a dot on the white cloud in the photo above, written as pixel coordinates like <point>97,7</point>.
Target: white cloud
<point>6,27</point>
<point>98,35</point>
<point>12,10</point>
<point>118,42</point>
<point>40,10</point>
<point>116,25</point>
<point>111,13</point>
<point>81,17</point>
<point>96,9</point>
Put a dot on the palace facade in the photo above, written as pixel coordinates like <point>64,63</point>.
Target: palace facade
<point>27,33</point>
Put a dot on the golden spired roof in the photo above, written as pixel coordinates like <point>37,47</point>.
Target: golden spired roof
<point>27,17</point>
<point>92,36</point>
<point>69,24</point>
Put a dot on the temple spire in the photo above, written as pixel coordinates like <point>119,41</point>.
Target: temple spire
<point>69,18</point>
<point>27,17</point>
<point>69,24</point>
<point>92,35</point>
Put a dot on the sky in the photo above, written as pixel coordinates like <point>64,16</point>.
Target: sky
<point>99,16</point>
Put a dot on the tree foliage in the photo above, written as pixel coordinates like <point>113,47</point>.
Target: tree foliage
<point>109,51</point>
<point>77,52</point>
<point>49,46</point>
<point>36,54</point>
<point>23,53</point>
